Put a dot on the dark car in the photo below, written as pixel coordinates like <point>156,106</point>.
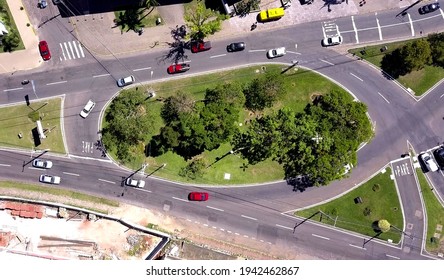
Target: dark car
<point>178,68</point>
<point>236,47</point>
<point>198,196</point>
<point>439,156</point>
<point>44,50</point>
<point>428,8</point>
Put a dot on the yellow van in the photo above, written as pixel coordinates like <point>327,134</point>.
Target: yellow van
<point>271,14</point>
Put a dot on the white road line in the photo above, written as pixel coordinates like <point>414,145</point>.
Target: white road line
<point>188,220</point>
<point>221,229</point>
<point>411,25</point>
<point>319,236</point>
<point>73,174</point>
<point>81,50</point>
<point>337,30</point>
<point>106,181</point>
<point>236,233</point>
<point>442,13</point>
<point>379,27</point>
<point>214,227</point>
<point>67,51</point>
<point>356,77</point>
<point>294,52</point>
<point>328,62</point>
<point>1,164</point>
<point>141,69</point>
<point>246,236</point>
<point>181,199</point>
<point>70,48</point>
<point>256,50</point>
<point>12,89</point>
<point>56,83</point>
<point>261,240</point>
<point>281,226</point>
<point>205,225</point>
<point>229,231</point>
<point>101,75</point>
<point>323,30</point>
<point>441,95</point>
<point>63,52</point>
<point>247,217</point>
<point>75,48</point>
<point>383,97</point>
<point>219,55</point>
<point>214,208</point>
<point>356,30</point>
<point>359,247</point>
<point>390,256</point>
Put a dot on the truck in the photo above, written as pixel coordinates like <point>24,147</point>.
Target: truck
<point>200,46</point>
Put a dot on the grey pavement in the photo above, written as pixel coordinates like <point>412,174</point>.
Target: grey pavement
<point>98,33</point>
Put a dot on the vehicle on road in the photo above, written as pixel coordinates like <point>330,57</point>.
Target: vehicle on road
<point>200,46</point>
<point>429,162</point>
<point>332,41</point>
<point>428,8</point>
<point>44,50</point>
<point>439,156</point>
<point>178,68</point>
<point>198,196</point>
<point>40,163</point>
<point>273,53</point>
<point>126,81</point>
<point>87,109</point>
<point>135,183</point>
<point>271,14</point>
<point>49,179</point>
<point>236,47</point>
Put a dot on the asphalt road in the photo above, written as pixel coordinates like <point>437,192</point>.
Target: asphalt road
<point>250,212</point>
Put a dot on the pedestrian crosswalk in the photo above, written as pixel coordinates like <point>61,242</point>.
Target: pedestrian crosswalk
<point>71,50</point>
<point>330,28</point>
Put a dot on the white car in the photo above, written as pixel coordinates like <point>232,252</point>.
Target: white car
<point>429,162</point>
<point>39,163</point>
<point>332,41</point>
<point>126,81</point>
<point>48,179</point>
<point>87,109</point>
<point>276,52</point>
<point>135,183</point>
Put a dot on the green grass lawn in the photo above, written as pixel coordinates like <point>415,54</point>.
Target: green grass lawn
<point>8,21</point>
<point>382,201</point>
<point>419,81</point>
<point>21,119</point>
<point>435,215</point>
<point>300,84</point>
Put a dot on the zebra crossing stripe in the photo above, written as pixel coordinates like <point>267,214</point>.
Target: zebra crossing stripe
<point>63,52</point>
<point>70,47</point>
<point>81,49</point>
<point>67,51</point>
<point>75,47</point>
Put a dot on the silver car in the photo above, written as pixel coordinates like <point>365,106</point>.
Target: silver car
<point>332,41</point>
<point>126,81</point>
<point>135,183</point>
<point>276,52</point>
<point>49,179</point>
<point>40,163</point>
<point>429,162</point>
<point>87,109</point>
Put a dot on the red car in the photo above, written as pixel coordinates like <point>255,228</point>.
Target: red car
<point>178,68</point>
<point>44,50</point>
<point>200,46</point>
<point>198,196</point>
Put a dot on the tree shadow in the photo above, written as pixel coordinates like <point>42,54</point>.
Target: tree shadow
<point>392,64</point>
<point>177,49</point>
<point>300,183</point>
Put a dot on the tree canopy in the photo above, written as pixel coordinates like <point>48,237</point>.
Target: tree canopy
<point>202,21</point>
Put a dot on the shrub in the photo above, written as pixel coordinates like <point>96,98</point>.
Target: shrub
<point>376,187</point>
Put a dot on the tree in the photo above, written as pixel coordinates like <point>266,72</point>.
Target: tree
<point>436,42</point>
<point>202,21</point>
<point>244,7</point>
<point>384,225</point>
<point>416,55</point>
<point>177,105</point>
<point>10,41</point>
<point>262,92</point>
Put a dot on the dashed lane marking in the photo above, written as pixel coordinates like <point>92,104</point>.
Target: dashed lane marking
<point>248,217</point>
<point>106,181</point>
<point>214,208</point>
<point>181,199</point>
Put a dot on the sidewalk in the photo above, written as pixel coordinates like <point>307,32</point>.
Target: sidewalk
<point>100,36</point>
<point>28,58</point>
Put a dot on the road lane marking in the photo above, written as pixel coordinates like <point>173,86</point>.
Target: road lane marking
<point>390,256</point>
<point>411,25</point>
<point>441,95</point>
<point>383,97</point>
<point>106,181</point>
<point>379,27</point>
<point>359,247</point>
<point>293,52</point>
<point>101,75</point>
<point>319,236</point>
<point>356,30</point>
<point>246,236</point>
<point>256,50</point>
<point>1,164</point>
<point>81,49</point>
<point>73,174</point>
<point>141,69</point>
<point>219,55</point>
<point>75,48</point>
<point>214,208</point>
<point>284,227</point>
<point>205,225</point>
<point>221,229</point>
<point>248,217</point>
<point>63,52</point>
<point>356,77</point>
<point>328,62</point>
<point>12,89</point>
<point>181,199</point>
<point>67,51</point>
<point>56,83</point>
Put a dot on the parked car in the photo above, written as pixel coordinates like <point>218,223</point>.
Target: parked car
<point>135,183</point>
<point>87,109</point>
<point>49,179</point>
<point>429,162</point>
<point>42,4</point>
<point>276,52</point>
<point>332,41</point>
<point>429,8</point>
<point>200,46</point>
<point>236,47</point>
<point>40,163</point>
<point>271,14</point>
<point>198,196</point>
<point>126,81</point>
<point>44,50</point>
<point>178,68</point>
<point>439,156</point>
